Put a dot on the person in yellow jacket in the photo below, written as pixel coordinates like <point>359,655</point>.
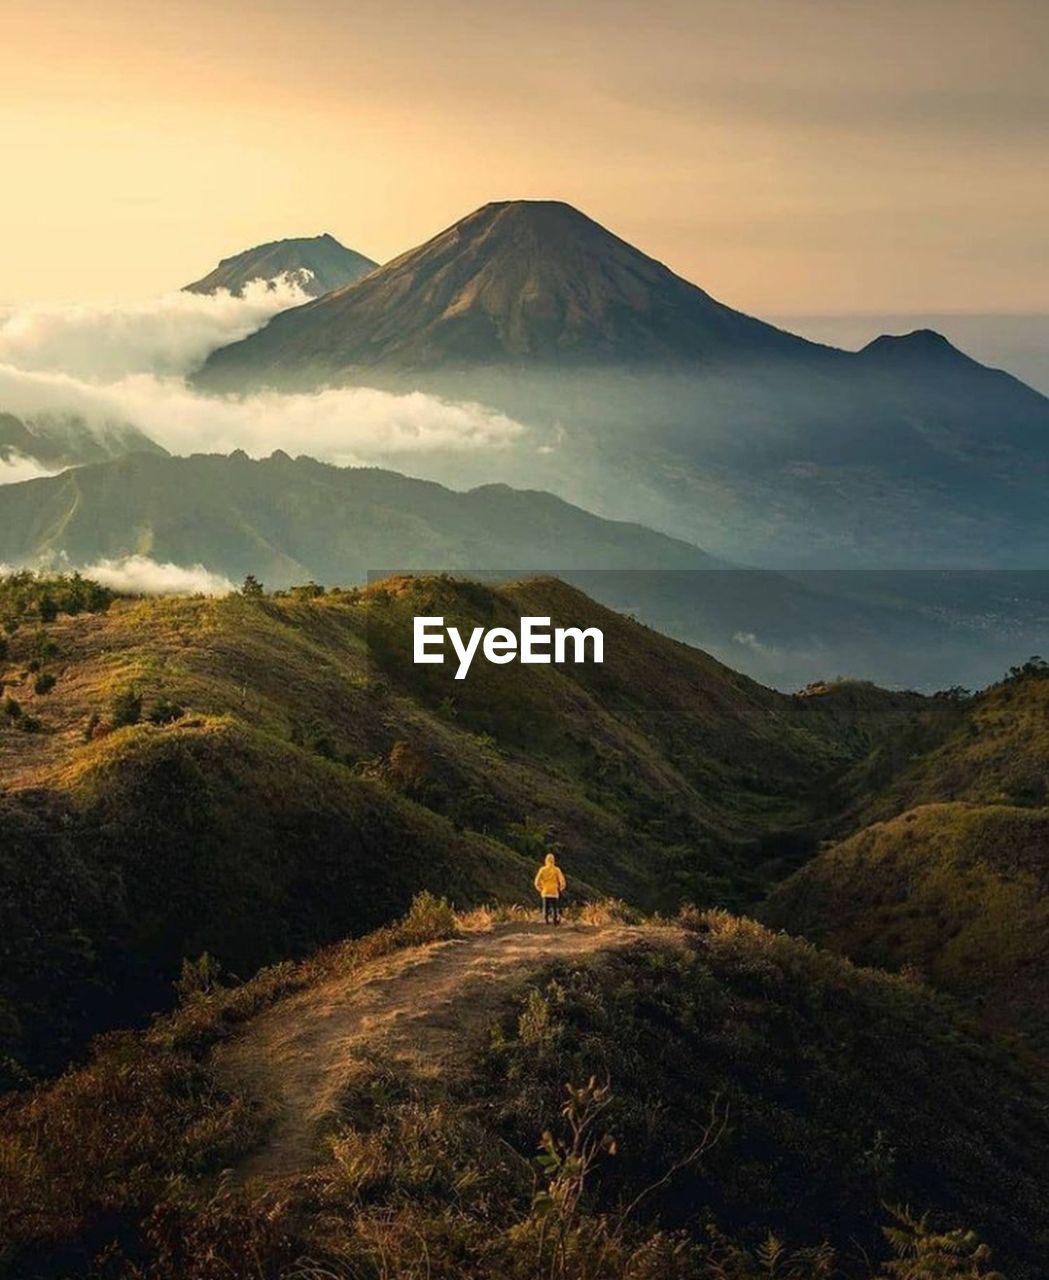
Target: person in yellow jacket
<point>550,882</point>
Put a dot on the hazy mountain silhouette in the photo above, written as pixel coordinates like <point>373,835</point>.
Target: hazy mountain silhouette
<point>290,520</point>
<point>317,263</point>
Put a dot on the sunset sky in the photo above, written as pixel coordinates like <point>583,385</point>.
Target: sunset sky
<point>788,155</point>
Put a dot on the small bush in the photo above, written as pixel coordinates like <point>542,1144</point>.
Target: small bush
<point>126,708</point>
<point>165,712</point>
<point>430,919</point>
<point>323,745</point>
<point>30,724</point>
<point>12,708</point>
<point>408,768</point>
<point>44,682</point>
<point>199,977</point>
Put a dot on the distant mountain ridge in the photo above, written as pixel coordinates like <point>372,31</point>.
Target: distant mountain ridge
<point>292,519</point>
<point>316,263</point>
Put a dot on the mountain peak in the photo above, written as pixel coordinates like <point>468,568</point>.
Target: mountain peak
<point>541,214</point>
<point>919,344</point>
<point>515,283</point>
<point>317,264</point>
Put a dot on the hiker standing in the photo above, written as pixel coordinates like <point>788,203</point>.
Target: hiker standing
<point>550,882</point>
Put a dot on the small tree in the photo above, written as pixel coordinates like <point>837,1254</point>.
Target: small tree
<point>126,708</point>
<point>252,587</point>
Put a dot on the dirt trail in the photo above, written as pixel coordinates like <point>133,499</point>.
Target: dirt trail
<point>422,1009</point>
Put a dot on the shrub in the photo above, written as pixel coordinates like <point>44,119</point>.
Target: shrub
<point>44,682</point>
<point>430,919</point>
<point>12,708</point>
<point>324,746</point>
<point>408,768</point>
<point>165,712</point>
<point>126,708</point>
<point>199,977</point>
<point>30,724</point>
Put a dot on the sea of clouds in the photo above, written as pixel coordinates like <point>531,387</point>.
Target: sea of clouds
<point>128,363</point>
<point>110,365</point>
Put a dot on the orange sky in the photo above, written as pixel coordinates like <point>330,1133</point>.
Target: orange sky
<point>807,155</point>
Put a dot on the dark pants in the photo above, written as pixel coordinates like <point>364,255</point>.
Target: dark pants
<point>552,910</point>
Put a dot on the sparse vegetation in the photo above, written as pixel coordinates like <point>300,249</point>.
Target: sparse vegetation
<point>683,1148</point>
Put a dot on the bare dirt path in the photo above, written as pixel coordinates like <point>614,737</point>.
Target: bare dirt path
<point>422,1009</point>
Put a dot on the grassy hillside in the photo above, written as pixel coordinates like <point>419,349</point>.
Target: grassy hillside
<point>990,749</point>
<point>248,777</point>
<point>754,1108</point>
<point>944,862</point>
<point>956,893</point>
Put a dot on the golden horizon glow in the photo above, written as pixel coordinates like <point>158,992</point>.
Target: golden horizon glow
<point>786,155</point>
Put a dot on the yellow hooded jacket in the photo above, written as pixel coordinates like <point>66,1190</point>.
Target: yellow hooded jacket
<point>550,879</point>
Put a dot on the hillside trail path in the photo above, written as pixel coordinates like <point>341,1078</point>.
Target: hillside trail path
<point>421,1010</point>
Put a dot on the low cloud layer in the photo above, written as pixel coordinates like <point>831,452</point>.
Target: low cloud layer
<point>114,365</point>
<point>168,335</point>
<point>16,468</point>
<point>342,425</point>
<point>139,575</point>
